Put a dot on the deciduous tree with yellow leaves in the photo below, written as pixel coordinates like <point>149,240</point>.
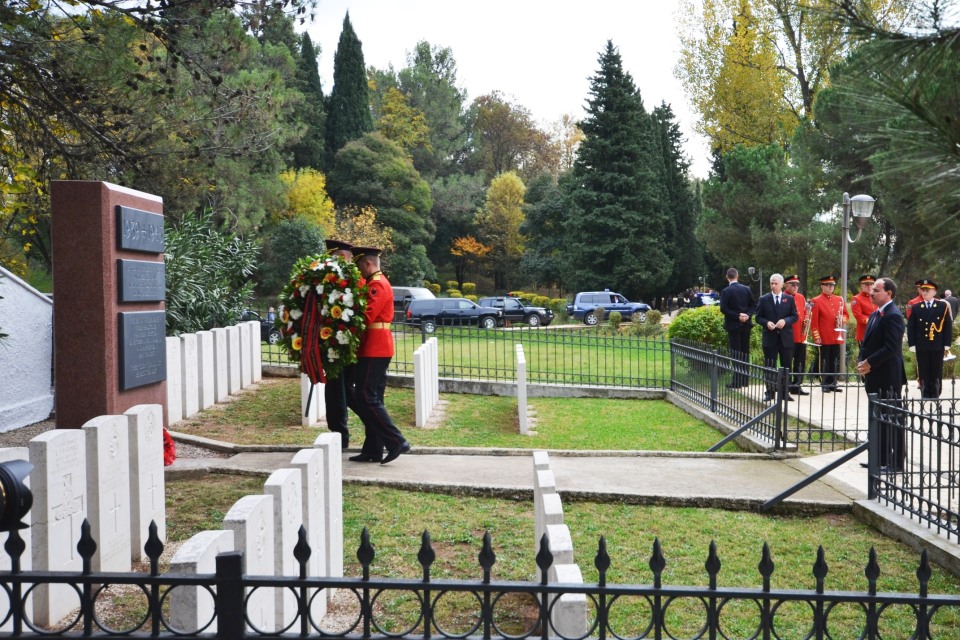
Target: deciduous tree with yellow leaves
<point>499,223</point>
<point>306,195</point>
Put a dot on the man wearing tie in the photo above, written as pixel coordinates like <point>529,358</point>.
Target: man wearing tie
<point>930,331</point>
<point>880,362</point>
<point>776,314</point>
<point>737,305</point>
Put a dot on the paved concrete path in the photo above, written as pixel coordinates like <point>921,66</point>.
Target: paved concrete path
<point>732,481</point>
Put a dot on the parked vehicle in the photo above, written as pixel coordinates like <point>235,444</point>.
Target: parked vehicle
<point>403,296</point>
<point>452,311</point>
<point>586,302</point>
<point>519,310</point>
<point>704,299</point>
<point>268,333</point>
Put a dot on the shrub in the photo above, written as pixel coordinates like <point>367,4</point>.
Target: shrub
<point>454,293</point>
<point>469,288</point>
<point>559,306</point>
<point>615,319</point>
<point>453,284</point>
<point>541,301</point>
<point>703,324</point>
<point>471,297</point>
<point>647,329</point>
<point>654,317</point>
<point>434,288</point>
<point>208,275</point>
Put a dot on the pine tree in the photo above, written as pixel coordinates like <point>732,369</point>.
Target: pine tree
<point>309,151</point>
<point>617,233</point>
<point>348,112</point>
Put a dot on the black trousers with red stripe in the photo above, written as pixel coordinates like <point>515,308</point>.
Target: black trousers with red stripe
<point>369,384</point>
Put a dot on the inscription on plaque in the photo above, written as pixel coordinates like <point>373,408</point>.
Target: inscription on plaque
<point>141,281</point>
<point>139,230</point>
<point>143,351</point>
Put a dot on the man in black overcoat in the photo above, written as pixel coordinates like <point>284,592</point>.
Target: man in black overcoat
<point>776,315</point>
<point>737,305</point>
<point>881,364</point>
<point>930,331</point>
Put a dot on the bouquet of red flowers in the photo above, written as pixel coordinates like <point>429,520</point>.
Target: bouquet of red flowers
<point>322,315</point>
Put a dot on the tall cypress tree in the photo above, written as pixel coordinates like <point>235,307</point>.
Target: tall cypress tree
<point>617,234</point>
<point>309,151</point>
<point>348,110</point>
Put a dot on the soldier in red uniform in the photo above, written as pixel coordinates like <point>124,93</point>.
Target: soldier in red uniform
<point>862,305</point>
<point>829,313</point>
<point>915,299</point>
<point>373,358</point>
<point>799,364</point>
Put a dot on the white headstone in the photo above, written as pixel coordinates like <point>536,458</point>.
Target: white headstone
<point>233,359</point>
<point>108,488</point>
<point>310,464</point>
<point>329,443</point>
<point>522,390</point>
<point>59,484</point>
<point>251,520</point>
<point>8,455</point>
<point>285,487</point>
<point>256,353</point>
<point>312,404</point>
<point>174,381</point>
<point>246,362</point>
<point>189,374</point>
<point>147,486</point>
<point>193,607</point>
<point>421,386</point>
<point>221,365</point>
<point>206,377</point>
<point>569,615</point>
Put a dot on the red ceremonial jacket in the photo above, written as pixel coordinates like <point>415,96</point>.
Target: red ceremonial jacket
<point>377,340</point>
<point>912,302</point>
<point>801,303</point>
<point>824,324</point>
<point>862,306</point>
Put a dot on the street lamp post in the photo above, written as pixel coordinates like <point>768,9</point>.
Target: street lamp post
<point>861,207</point>
<point>752,271</point>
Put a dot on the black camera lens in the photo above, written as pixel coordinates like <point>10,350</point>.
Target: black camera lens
<point>15,498</point>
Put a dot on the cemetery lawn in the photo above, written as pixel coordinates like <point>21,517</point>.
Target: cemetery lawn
<point>396,519</point>
<point>269,414</point>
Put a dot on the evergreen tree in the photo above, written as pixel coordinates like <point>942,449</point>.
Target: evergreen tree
<point>348,112</point>
<point>617,238</point>
<point>685,251</point>
<point>547,206</point>
<point>309,151</point>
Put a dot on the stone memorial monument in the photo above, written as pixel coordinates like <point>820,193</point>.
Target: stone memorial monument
<point>109,320</point>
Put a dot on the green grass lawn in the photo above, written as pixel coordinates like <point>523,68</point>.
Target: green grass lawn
<point>396,519</point>
<point>271,415</point>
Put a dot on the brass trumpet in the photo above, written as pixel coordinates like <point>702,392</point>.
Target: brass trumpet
<point>841,327</point>
<point>807,320</point>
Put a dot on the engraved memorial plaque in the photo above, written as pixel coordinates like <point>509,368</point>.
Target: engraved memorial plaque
<point>139,230</point>
<point>141,281</point>
<point>143,351</point>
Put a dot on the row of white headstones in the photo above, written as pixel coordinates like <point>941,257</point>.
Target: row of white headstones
<point>111,473</point>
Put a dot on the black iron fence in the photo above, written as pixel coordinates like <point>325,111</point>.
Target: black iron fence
<point>914,465</point>
<point>484,607</point>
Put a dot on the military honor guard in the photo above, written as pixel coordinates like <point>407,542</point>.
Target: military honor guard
<point>930,331</point>
<point>370,372</point>
<point>335,391</point>
<point>862,305</point>
<point>915,299</point>
<point>800,330</point>
<point>828,327</point>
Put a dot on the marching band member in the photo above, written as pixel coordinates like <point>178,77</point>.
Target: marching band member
<point>829,317</point>
<point>862,305</point>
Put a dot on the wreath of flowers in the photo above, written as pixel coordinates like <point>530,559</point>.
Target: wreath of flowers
<point>339,294</point>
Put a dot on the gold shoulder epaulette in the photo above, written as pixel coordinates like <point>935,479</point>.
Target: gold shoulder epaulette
<point>375,276</point>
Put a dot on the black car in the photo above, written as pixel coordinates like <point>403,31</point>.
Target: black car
<point>403,296</point>
<point>268,333</point>
<point>519,310</point>
<point>452,311</point>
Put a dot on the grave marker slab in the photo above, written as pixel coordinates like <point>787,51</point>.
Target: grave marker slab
<point>246,362</point>
<point>233,359</point>
<point>310,464</point>
<point>285,487</point>
<point>189,374</point>
<point>192,608</point>
<point>108,491</point>
<point>206,376</point>
<point>174,392</point>
<point>59,485</point>
<point>147,485</point>
<point>221,365</point>
<point>329,443</point>
<point>251,520</point>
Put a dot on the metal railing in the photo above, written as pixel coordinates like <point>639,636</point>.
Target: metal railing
<point>914,460</point>
<point>487,608</point>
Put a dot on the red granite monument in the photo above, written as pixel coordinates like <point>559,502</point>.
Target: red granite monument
<point>109,322</point>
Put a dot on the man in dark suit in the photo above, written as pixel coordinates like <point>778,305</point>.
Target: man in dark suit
<point>776,314</point>
<point>881,364</point>
<point>930,331</point>
<point>737,305</point>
